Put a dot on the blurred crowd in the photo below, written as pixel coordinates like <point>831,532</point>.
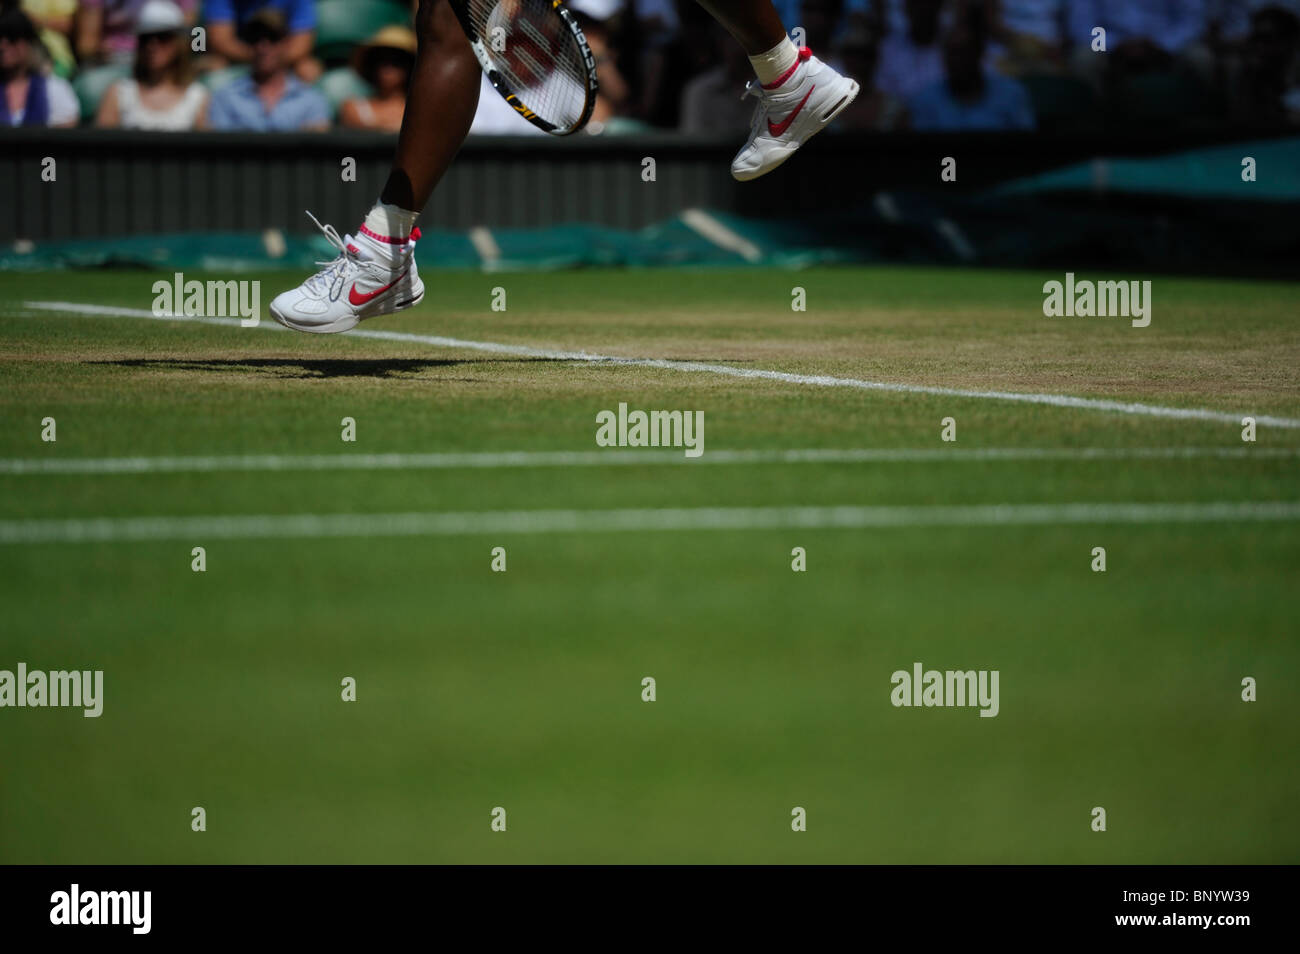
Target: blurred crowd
<point>288,65</point>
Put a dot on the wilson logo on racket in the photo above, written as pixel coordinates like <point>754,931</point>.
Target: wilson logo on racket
<point>535,56</point>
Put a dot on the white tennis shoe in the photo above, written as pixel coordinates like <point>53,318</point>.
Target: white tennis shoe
<point>790,112</point>
<point>372,276</point>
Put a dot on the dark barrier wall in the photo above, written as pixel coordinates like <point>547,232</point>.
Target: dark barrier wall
<point>110,183</point>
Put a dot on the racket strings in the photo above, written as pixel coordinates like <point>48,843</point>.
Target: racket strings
<point>539,58</point>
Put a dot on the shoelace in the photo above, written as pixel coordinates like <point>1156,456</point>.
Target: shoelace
<point>755,89</point>
<point>331,280</point>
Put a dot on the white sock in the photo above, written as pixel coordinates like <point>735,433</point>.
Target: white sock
<point>776,62</point>
<point>390,222</point>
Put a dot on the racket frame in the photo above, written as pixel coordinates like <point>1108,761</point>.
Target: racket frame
<point>500,84</point>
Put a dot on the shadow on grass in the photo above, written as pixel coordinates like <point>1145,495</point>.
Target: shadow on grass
<point>316,367</point>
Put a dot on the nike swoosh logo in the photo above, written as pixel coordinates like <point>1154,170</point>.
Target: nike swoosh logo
<point>357,299</point>
<point>778,129</point>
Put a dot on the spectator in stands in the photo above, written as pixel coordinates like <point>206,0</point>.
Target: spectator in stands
<point>385,62</point>
<point>912,60</point>
<point>711,102</point>
<point>648,28</point>
<point>31,97</point>
<point>820,20</point>
<point>1265,91</point>
<point>270,98</point>
<point>1231,19</point>
<point>596,19</point>
<point>887,16</point>
<point>874,109</point>
<point>671,64</point>
<point>970,96</point>
<point>657,18</point>
<point>161,93</point>
<point>1031,34</point>
<point>53,21</point>
<point>226,20</point>
<point>1140,37</point>
<point>105,29</point>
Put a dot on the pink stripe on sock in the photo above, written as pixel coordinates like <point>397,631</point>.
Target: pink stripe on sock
<point>381,238</point>
<point>804,53</point>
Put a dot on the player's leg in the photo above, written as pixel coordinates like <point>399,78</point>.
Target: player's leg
<point>375,273</point>
<point>440,107</point>
<point>798,94</point>
<point>754,24</point>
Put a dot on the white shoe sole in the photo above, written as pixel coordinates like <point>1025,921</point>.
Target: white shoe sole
<point>821,122</point>
<point>348,322</point>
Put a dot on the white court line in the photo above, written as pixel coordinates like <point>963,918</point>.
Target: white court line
<point>816,380</point>
<point>497,460</point>
<point>300,526</point>
<point>705,225</point>
<point>957,239</point>
<point>486,246</point>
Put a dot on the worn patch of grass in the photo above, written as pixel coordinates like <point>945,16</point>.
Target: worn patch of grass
<point>523,690</point>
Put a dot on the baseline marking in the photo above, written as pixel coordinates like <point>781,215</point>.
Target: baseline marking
<point>816,380</point>
<point>301,526</point>
<point>498,460</point>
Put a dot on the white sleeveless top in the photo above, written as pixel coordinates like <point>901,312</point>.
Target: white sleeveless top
<point>181,116</point>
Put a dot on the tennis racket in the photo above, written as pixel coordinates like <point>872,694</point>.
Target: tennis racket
<point>536,57</point>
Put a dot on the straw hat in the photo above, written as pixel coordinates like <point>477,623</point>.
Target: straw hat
<point>159,16</point>
<point>392,37</point>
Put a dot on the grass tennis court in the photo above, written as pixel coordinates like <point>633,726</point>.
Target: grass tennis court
<point>477,689</point>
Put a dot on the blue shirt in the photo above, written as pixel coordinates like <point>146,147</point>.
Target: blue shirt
<point>300,14</point>
<point>237,106</point>
<point>1004,105</point>
<point>1170,24</point>
<point>1234,15</point>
